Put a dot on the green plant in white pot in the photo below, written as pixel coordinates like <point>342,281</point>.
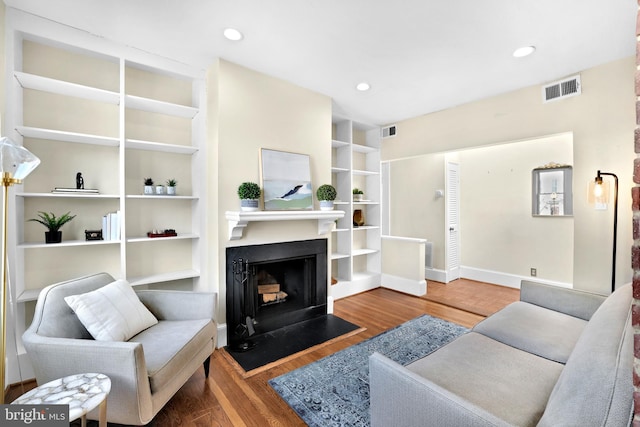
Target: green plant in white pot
<point>326,195</point>
<point>249,194</point>
<point>171,187</point>
<point>148,186</point>
<point>358,195</point>
<point>53,224</point>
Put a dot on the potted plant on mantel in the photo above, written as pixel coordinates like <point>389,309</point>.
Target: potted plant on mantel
<point>148,186</point>
<point>53,224</point>
<point>249,193</point>
<point>171,187</point>
<point>326,195</point>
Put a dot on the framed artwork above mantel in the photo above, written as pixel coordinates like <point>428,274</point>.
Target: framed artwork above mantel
<point>286,180</point>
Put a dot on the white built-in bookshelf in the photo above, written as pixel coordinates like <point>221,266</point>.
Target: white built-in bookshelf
<point>118,116</point>
<point>356,257</point>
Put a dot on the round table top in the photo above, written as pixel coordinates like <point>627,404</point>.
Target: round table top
<point>82,392</point>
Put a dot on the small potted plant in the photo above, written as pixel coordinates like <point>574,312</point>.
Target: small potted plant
<point>358,195</point>
<point>148,186</point>
<point>171,187</point>
<point>326,195</point>
<point>249,193</point>
<point>53,224</point>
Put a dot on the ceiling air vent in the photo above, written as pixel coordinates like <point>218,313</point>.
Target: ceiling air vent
<point>389,131</point>
<point>562,89</point>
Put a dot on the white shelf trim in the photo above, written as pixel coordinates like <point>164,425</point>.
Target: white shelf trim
<point>68,243</point>
<point>163,277</point>
<point>238,220</point>
<point>64,136</point>
<point>358,252</point>
<point>159,146</point>
<point>155,106</point>
<point>156,239</point>
<point>70,195</point>
<point>60,87</point>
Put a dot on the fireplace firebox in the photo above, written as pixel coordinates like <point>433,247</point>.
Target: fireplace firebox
<point>273,285</point>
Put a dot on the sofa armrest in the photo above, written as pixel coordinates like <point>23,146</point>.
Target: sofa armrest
<point>401,397</point>
<point>573,302</point>
<point>179,305</point>
<point>122,362</point>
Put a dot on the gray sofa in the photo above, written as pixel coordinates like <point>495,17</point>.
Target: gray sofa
<point>557,357</point>
<point>145,371</point>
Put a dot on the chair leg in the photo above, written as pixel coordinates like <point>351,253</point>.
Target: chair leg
<point>206,367</point>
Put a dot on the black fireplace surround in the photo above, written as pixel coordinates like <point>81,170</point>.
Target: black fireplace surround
<point>274,285</point>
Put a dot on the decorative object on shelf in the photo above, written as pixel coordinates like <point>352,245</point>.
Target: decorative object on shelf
<point>76,190</point>
<point>171,187</point>
<point>358,195</point>
<point>93,234</point>
<point>17,163</point>
<point>286,179</point>
<point>160,189</point>
<point>326,195</point>
<point>169,232</point>
<point>53,224</point>
<point>249,193</point>
<point>148,186</point>
<point>358,218</point>
<point>79,181</point>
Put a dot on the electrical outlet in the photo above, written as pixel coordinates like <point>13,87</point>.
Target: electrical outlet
<point>534,272</point>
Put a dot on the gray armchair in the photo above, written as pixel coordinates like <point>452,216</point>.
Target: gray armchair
<point>145,371</point>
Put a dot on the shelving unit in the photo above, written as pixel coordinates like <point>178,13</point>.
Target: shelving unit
<point>356,258</point>
<point>117,115</point>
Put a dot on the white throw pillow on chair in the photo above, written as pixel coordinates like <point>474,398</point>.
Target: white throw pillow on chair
<point>112,313</point>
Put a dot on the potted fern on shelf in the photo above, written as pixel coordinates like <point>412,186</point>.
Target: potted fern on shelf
<point>326,195</point>
<point>53,224</point>
<point>249,193</point>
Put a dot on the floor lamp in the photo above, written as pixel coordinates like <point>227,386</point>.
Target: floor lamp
<point>601,194</point>
<point>16,162</point>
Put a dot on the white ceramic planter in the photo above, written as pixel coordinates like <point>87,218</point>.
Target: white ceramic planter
<point>171,191</point>
<point>148,189</point>
<point>249,205</point>
<point>326,205</point>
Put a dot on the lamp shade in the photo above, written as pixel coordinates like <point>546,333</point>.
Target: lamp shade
<point>16,160</point>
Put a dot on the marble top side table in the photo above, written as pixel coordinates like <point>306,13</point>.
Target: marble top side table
<point>82,392</point>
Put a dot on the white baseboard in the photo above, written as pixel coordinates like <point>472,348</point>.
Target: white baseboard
<point>435,275</point>
<point>504,279</point>
<point>222,335</point>
<point>407,286</point>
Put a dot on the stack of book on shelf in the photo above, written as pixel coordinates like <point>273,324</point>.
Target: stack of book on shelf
<point>111,226</point>
<point>75,190</point>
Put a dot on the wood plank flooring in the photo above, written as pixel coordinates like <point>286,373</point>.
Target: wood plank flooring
<point>470,295</point>
<point>226,398</point>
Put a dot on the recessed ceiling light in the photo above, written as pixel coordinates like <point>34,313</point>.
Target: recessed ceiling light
<point>521,52</point>
<point>364,86</point>
<point>232,34</point>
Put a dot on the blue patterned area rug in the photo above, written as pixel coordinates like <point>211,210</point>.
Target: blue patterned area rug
<point>334,391</point>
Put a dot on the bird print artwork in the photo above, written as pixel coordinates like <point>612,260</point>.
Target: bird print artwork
<point>294,190</point>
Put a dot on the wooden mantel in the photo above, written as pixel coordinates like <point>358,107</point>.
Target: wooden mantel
<point>238,220</point>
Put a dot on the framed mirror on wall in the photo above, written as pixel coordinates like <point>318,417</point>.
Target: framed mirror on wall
<point>552,190</point>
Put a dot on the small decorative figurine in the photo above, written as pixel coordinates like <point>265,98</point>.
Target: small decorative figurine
<point>79,181</point>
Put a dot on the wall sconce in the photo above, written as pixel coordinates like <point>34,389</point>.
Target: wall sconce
<point>599,198</point>
<point>16,162</point>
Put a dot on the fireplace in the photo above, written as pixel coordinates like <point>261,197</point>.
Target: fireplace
<point>272,286</point>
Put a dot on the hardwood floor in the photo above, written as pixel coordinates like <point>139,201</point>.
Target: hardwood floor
<point>470,295</point>
<point>226,398</point>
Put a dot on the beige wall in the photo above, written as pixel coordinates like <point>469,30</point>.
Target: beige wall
<point>258,111</point>
<point>602,122</point>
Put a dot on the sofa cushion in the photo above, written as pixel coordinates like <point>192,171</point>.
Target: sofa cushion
<point>112,313</point>
<point>509,383</point>
<point>534,329</point>
<point>169,346</point>
<point>596,388</point>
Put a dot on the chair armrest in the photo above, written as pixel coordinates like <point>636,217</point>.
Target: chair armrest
<point>573,302</point>
<point>403,398</point>
<point>179,305</point>
<point>122,362</point>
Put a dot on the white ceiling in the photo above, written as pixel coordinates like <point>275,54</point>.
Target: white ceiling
<point>419,56</point>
